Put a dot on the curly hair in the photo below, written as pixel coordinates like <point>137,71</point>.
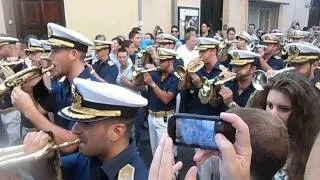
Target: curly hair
<point>303,124</point>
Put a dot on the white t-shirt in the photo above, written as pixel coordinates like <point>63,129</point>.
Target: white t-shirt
<point>186,55</point>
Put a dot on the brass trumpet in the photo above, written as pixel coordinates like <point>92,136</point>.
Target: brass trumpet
<point>180,71</point>
<point>207,87</point>
<point>140,71</point>
<point>15,155</point>
<point>21,77</point>
<point>261,78</point>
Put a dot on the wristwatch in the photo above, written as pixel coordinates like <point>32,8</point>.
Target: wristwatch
<point>232,104</point>
<point>153,85</point>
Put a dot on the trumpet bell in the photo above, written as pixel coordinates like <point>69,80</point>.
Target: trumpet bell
<point>260,80</point>
<point>179,72</point>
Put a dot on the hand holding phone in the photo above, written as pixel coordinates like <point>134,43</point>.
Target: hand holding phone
<point>235,158</point>
<point>198,131</point>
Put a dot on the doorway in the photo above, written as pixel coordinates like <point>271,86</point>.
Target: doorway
<point>34,15</point>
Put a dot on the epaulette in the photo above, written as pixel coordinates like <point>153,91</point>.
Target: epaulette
<point>126,173</point>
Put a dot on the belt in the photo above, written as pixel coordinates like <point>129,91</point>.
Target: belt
<point>159,114</point>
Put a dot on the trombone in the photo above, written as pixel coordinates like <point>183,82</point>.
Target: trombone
<point>15,155</point>
<point>261,78</point>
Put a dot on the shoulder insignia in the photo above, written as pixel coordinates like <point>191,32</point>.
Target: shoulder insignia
<point>126,173</point>
<point>317,85</point>
<point>111,63</point>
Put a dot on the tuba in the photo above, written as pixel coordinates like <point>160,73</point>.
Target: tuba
<point>21,77</point>
<point>207,90</point>
<point>261,78</point>
<point>180,71</point>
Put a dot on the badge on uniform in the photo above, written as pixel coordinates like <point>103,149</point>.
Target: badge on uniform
<point>317,85</point>
<point>111,63</point>
<point>126,173</point>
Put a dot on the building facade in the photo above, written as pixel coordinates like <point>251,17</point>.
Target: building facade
<point>22,17</point>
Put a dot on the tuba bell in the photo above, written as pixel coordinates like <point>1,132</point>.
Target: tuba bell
<point>261,78</point>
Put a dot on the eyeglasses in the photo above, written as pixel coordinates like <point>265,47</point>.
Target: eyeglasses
<point>174,31</point>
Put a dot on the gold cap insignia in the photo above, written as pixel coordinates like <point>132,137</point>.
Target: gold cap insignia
<point>236,56</point>
<point>294,51</point>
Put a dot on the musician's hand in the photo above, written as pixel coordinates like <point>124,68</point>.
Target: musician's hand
<point>34,141</point>
<point>29,84</point>
<point>226,94</point>
<point>22,101</point>
<point>88,66</point>
<point>124,80</point>
<point>195,79</point>
<point>7,71</point>
<point>150,66</point>
<point>148,79</point>
<point>47,81</point>
<point>234,158</point>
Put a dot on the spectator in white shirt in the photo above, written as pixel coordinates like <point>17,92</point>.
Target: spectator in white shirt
<point>188,51</point>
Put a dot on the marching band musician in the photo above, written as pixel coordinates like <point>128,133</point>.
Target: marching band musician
<point>104,115</point>
<point>237,92</point>
<point>34,52</point>
<point>170,42</point>
<point>10,116</point>
<point>162,91</point>
<point>298,36</point>
<point>105,70</point>
<point>244,39</point>
<point>208,53</point>
<point>303,56</point>
<point>67,55</point>
<point>268,58</point>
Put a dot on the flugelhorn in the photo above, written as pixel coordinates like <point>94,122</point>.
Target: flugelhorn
<point>140,71</point>
<point>180,71</point>
<point>15,155</point>
<point>21,77</point>
<point>261,78</point>
<point>207,87</point>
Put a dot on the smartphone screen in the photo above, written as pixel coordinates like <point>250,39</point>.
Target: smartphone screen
<point>195,132</point>
<point>198,131</point>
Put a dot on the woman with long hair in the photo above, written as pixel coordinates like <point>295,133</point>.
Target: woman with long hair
<point>295,101</point>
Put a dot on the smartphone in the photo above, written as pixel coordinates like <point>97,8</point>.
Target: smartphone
<point>198,131</point>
